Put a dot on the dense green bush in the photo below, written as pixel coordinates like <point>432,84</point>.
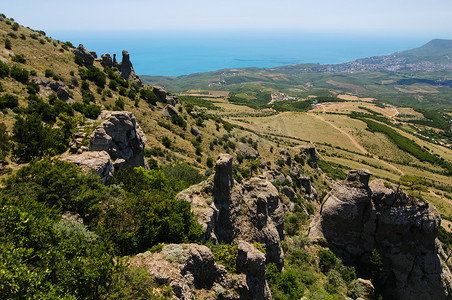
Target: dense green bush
<point>19,58</point>
<point>15,26</point>
<point>166,141</point>
<point>4,70</point>
<point>19,74</point>
<point>148,95</point>
<point>8,44</point>
<point>91,111</point>
<point>149,214</point>
<point>225,254</point>
<point>34,140</point>
<point>94,74</point>
<point>327,260</point>
<point>8,101</point>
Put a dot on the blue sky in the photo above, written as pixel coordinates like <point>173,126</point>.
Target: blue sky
<point>432,17</point>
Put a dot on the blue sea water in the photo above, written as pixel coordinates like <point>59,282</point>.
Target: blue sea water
<point>175,53</point>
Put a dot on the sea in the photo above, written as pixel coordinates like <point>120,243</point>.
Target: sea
<point>182,52</point>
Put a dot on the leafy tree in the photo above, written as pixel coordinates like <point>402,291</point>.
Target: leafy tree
<point>34,140</point>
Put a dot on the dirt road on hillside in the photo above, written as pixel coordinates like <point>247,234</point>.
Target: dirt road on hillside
<point>356,144</point>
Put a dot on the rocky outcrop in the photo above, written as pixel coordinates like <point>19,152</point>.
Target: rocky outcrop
<point>247,151</point>
<point>106,60</point>
<point>195,131</point>
<point>116,143</point>
<point>126,69</point>
<point>169,111</point>
<point>191,272</point>
<point>99,161</point>
<point>88,57</point>
<point>229,211</point>
<point>357,217</point>
<point>47,87</point>
<point>164,97</point>
<point>120,136</point>
<point>308,152</point>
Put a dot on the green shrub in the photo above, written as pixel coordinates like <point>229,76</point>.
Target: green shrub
<point>12,35</point>
<point>4,70</point>
<point>178,120</point>
<point>209,162</point>
<point>94,74</point>
<point>225,254</point>
<point>79,60</point>
<point>327,260</point>
<point>8,44</point>
<point>166,141</point>
<point>291,224</point>
<point>19,74</point>
<point>8,101</point>
<point>33,88</point>
<point>119,104</point>
<point>15,26</point>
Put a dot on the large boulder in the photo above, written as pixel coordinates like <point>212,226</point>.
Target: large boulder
<point>357,218</point>
<point>247,151</point>
<point>121,137</point>
<point>88,57</point>
<point>99,161</point>
<point>170,111</point>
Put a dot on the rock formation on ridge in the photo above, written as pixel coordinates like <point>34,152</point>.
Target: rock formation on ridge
<point>191,272</point>
<point>119,137</point>
<point>357,217</point>
<point>228,211</point>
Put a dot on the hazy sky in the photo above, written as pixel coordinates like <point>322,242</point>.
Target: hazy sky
<point>431,17</point>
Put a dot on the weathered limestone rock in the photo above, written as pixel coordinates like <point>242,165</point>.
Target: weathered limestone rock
<point>160,93</point>
<point>247,151</point>
<point>191,268</point>
<point>229,211</point>
<point>120,136</point>
<point>357,217</point>
<point>106,60</point>
<point>126,69</point>
<point>99,161</point>
<point>87,56</point>
<point>289,192</point>
<point>195,131</point>
<point>308,152</point>
<point>169,111</point>
<point>251,262</point>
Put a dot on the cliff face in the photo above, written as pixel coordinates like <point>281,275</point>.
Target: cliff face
<point>357,217</point>
<point>229,211</point>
